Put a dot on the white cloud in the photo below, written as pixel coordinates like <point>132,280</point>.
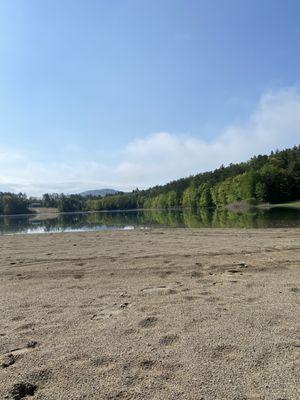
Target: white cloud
<point>163,156</point>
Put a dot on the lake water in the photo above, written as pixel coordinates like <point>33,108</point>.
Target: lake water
<point>204,218</point>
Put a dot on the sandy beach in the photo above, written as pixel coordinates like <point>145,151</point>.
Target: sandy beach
<point>153,314</point>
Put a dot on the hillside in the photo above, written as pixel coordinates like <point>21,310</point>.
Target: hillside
<point>273,178</point>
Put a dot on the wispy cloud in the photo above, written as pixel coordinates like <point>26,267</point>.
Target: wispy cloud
<point>160,157</point>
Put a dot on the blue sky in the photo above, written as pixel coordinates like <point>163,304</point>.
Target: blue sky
<point>130,93</point>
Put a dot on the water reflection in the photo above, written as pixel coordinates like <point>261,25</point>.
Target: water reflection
<point>203,218</point>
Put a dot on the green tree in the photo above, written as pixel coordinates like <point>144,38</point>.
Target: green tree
<point>205,196</point>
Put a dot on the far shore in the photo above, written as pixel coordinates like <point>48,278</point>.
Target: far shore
<point>235,207</point>
<point>44,210</point>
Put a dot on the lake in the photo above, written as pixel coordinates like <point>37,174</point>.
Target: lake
<point>98,221</point>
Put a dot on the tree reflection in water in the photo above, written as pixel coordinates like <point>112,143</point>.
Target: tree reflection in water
<point>201,218</point>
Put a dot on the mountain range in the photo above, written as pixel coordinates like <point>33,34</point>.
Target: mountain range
<point>99,192</point>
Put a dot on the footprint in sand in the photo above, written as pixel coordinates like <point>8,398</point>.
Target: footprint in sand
<point>191,298</point>
<point>102,361</point>
<point>168,340</point>
<point>161,290</point>
<point>196,274</point>
<point>9,358</point>
<point>78,276</point>
<point>224,351</point>
<point>205,293</point>
<point>165,274</point>
<point>18,318</point>
<point>213,299</point>
<point>234,271</point>
<point>109,312</point>
<point>25,327</point>
<point>147,364</point>
<point>22,350</point>
<point>129,331</point>
<point>148,322</point>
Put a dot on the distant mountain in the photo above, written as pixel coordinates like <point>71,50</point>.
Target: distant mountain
<point>99,192</point>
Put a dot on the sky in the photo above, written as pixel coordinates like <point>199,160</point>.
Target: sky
<point>128,94</point>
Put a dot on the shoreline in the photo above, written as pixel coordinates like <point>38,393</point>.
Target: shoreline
<point>156,314</point>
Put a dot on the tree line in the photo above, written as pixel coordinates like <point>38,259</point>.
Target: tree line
<point>11,203</point>
<point>64,203</point>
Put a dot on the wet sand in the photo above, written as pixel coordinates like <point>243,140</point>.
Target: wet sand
<point>158,314</point>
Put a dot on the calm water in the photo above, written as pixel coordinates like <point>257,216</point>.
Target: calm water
<point>204,218</point>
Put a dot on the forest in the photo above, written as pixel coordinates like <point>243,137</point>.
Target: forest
<point>273,178</point>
